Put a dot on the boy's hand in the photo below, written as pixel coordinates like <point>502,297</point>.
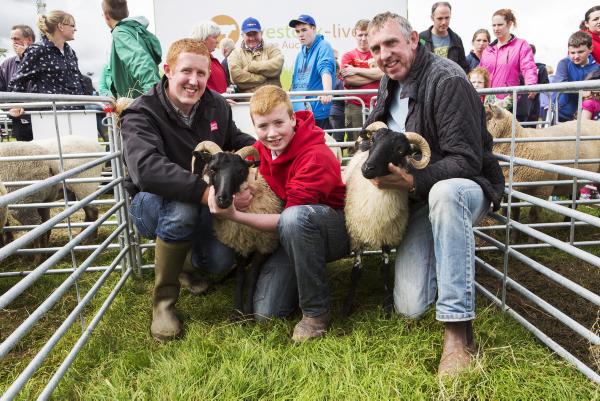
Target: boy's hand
<point>242,200</point>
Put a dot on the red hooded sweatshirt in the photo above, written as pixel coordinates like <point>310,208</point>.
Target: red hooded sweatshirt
<point>306,172</point>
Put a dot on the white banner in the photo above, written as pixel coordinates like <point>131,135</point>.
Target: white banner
<point>335,19</point>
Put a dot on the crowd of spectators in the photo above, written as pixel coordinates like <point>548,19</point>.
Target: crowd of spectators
<point>50,65</point>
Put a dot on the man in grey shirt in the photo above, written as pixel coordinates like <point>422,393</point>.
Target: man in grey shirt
<point>442,40</point>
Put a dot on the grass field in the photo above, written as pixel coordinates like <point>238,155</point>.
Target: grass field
<point>367,357</point>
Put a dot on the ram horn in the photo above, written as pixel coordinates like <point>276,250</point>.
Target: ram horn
<point>421,143</point>
<point>373,127</point>
<point>205,146</point>
<point>208,146</point>
<point>248,151</point>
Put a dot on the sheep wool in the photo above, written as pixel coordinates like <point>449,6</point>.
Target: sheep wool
<point>499,124</point>
<point>75,144</point>
<point>244,239</point>
<point>365,204</point>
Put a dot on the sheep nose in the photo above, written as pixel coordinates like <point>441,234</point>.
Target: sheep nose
<point>223,201</point>
<point>368,170</point>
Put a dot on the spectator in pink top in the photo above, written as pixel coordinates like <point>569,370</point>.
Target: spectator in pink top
<point>590,109</point>
<point>209,32</point>
<point>591,25</point>
<point>508,57</point>
<point>359,71</point>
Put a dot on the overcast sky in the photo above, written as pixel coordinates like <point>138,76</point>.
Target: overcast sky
<point>546,23</point>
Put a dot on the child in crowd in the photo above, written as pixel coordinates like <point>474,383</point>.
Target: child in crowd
<point>480,79</point>
<point>590,109</point>
<point>575,67</point>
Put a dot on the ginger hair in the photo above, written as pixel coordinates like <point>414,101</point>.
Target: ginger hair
<point>266,98</point>
<point>186,45</point>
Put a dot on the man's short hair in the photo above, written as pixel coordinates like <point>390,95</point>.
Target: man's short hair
<point>266,98</point>
<point>381,19</point>
<point>484,74</point>
<point>440,4</point>
<point>226,44</point>
<point>26,31</point>
<point>361,25</point>
<point>186,45</point>
<point>115,9</point>
<point>580,39</point>
<point>204,29</point>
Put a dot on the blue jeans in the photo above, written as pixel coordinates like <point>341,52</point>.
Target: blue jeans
<point>170,220</point>
<point>438,253</point>
<point>310,236</point>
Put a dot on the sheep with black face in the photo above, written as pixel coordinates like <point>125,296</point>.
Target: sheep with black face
<point>376,218</point>
<point>230,173</point>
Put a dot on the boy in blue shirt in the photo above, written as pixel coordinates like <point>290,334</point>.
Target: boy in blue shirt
<point>573,68</point>
<point>314,68</point>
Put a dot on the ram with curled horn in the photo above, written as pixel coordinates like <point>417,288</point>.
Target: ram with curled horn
<point>231,173</point>
<point>376,218</point>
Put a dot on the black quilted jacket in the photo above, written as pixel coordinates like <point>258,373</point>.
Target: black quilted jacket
<point>445,109</point>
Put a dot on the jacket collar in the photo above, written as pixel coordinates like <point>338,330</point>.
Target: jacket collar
<point>306,50</point>
<point>495,42</point>
<point>429,33</point>
<point>50,44</point>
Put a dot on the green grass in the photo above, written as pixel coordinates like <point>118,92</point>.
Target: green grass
<point>367,357</point>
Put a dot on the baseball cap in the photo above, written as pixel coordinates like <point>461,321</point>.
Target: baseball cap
<point>251,25</point>
<point>303,19</point>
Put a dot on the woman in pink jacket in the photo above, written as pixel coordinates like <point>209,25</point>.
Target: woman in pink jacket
<point>508,58</point>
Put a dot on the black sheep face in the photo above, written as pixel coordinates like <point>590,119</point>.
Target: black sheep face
<point>387,146</point>
<point>226,172</point>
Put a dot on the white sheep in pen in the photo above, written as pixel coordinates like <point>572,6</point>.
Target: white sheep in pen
<point>376,218</point>
<point>230,173</point>
<point>23,170</point>
<point>499,124</point>
<point>42,169</point>
<point>75,144</point>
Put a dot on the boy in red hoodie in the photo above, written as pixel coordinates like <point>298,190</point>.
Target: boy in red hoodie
<point>304,173</point>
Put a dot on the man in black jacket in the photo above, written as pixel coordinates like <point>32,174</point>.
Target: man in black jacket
<point>424,93</point>
<point>160,130</point>
<point>442,40</point>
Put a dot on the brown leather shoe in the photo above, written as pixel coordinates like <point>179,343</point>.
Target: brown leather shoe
<point>459,348</point>
<point>311,327</point>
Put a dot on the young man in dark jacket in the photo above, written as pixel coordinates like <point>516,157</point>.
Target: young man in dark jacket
<point>442,40</point>
<point>160,130</point>
<point>424,93</point>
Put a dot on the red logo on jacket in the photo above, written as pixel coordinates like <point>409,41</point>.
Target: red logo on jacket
<point>214,126</point>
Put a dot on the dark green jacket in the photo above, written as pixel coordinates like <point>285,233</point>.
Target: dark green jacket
<point>134,58</point>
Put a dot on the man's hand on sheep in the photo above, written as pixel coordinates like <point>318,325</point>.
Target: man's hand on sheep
<point>398,179</point>
<point>216,210</point>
